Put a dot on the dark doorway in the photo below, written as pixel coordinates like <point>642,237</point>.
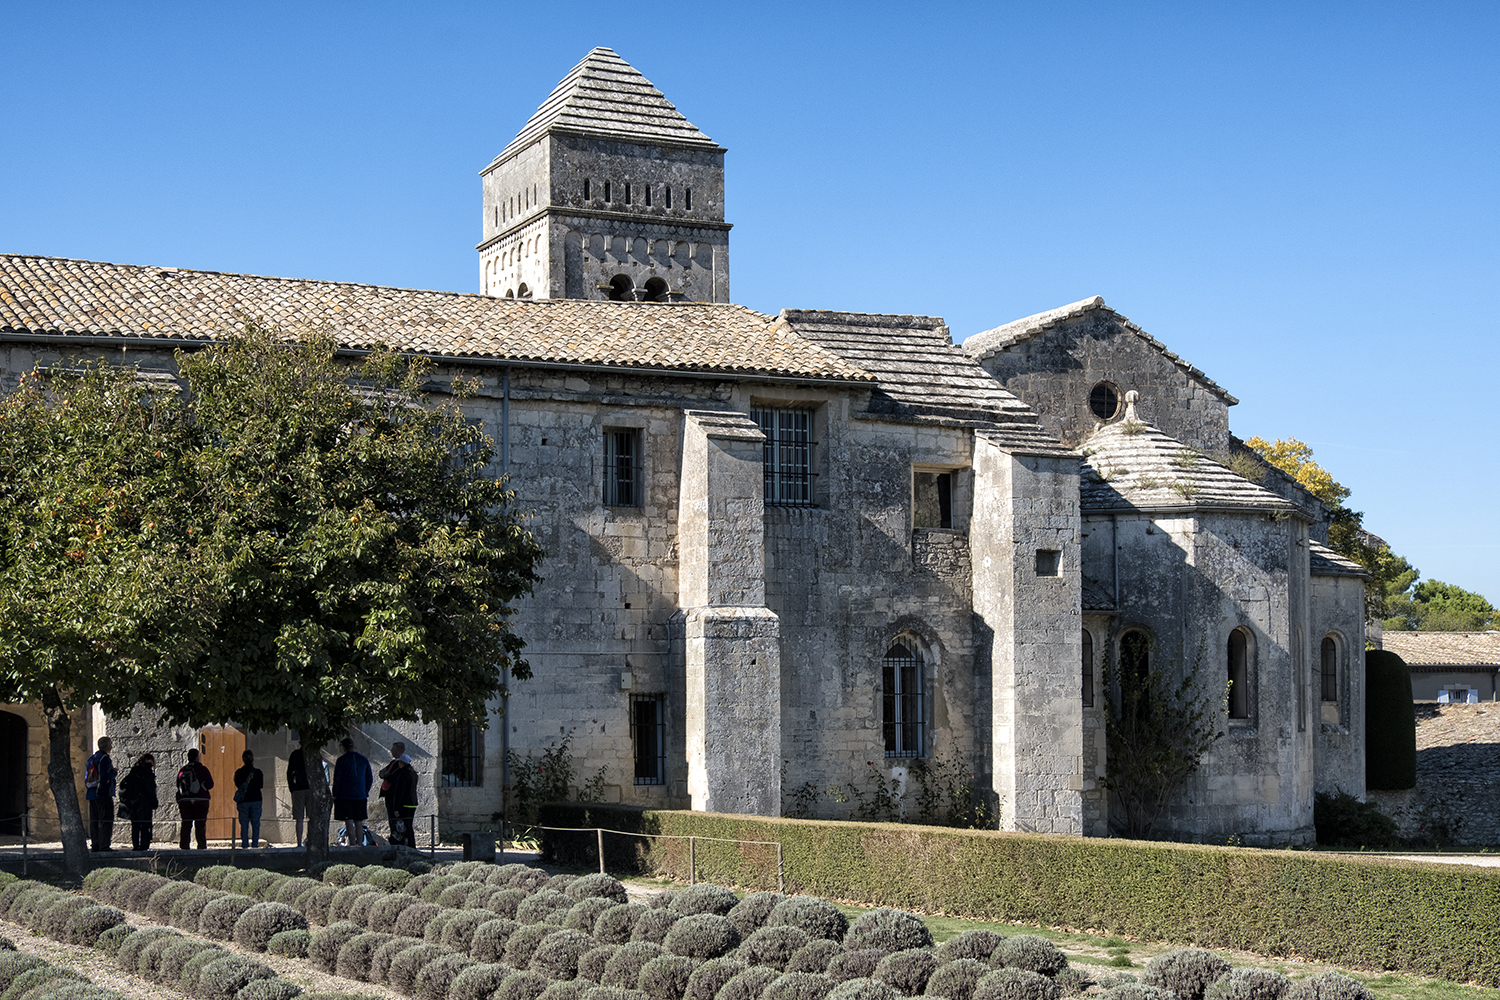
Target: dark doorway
<point>13,757</point>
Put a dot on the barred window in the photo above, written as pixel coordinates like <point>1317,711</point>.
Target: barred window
<point>902,709</point>
<point>648,737</point>
<point>788,455</point>
<point>461,755</point>
<point>622,467</point>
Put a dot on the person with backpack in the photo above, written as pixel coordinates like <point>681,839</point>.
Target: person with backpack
<point>99,791</point>
<point>138,801</point>
<point>398,786</point>
<point>352,779</point>
<point>193,784</point>
<point>248,783</point>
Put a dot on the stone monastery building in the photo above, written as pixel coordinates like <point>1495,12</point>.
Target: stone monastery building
<point>798,551</point>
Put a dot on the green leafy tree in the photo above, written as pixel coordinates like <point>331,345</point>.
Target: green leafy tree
<point>1434,606</point>
<point>98,596</point>
<point>364,560</point>
<point>1159,722</point>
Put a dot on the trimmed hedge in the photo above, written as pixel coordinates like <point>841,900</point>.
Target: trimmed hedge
<point>1351,911</point>
<point>1390,722</point>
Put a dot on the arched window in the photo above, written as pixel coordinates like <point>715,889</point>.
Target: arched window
<point>1135,674</point>
<point>523,292</point>
<point>1239,675</point>
<point>902,708</point>
<point>1088,669</point>
<point>510,293</point>
<point>655,290</point>
<point>1330,661</point>
<point>621,288</point>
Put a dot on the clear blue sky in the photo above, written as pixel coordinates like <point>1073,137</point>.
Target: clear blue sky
<point>1301,199</point>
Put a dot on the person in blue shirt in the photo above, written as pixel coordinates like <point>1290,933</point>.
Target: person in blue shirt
<point>352,780</point>
<point>99,790</point>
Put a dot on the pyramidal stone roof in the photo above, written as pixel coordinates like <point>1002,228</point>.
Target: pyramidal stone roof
<point>606,96</point>
<point>1131,465</point>
<point>85,301</point>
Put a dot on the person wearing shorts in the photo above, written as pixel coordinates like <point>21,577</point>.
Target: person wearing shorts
<point>352,780</point>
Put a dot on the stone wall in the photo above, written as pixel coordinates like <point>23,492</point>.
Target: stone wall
<point>1337,611</point>
<point>1456,801</point>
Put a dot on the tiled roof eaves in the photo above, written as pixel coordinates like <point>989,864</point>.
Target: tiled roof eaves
<point>1325,561</point>
<point>1056,317</point>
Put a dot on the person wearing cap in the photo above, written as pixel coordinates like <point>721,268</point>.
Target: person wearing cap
<point>352,780</point>
<point>398,786</point>
<point>138,799</point>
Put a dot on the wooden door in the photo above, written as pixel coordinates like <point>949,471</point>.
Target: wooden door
<point>223,748</point>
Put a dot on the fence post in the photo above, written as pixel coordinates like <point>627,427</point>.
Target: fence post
<point>692,861</point>
<point>780,871</point>
<point>432,835</point>
<point>233,837</point>
<point>600,832</point>
<point>26,843</point>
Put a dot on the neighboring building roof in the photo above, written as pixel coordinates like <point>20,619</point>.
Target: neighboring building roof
<point>78,299</point>
<point>605,96</point>
<point>1326,562</point>
<point>1445,649</point>
<point>991,342</point>
<point>1130,464</point>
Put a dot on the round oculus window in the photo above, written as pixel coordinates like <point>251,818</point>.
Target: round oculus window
<point>1104,401</point>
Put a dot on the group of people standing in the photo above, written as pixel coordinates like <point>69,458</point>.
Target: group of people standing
<point>352,781</point>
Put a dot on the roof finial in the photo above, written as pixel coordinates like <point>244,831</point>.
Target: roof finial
<point>1130,398</point>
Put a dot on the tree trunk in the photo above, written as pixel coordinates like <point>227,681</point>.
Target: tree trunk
<point>60,777</point>
<point>320,804</point>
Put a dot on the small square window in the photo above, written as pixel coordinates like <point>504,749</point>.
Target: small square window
<point>622,467</point>
<point>1048,562</point>
<point>932,500</point>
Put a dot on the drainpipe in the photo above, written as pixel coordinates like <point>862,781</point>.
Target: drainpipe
<point>505,698</point>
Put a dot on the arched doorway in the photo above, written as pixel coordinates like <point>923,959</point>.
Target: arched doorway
<point>621,288</point>
<point>13,758</point>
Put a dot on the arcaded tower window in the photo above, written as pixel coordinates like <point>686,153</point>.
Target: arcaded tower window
<point>1104,401</point>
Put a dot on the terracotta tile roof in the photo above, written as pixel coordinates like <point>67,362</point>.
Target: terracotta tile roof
<point>991,342</point>
<point>52,296</point>
<point>606,96</point>
<point>1326,562</point>
<point>1129,464</point>
<point>1448,649</point>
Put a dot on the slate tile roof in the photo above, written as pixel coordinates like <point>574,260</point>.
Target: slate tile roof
<point>1129,464</point>
<point>606,96</point>
<point>1446,649</point>
<point>52,296</point>
<point>1326,562</point>
<point>991,342</point>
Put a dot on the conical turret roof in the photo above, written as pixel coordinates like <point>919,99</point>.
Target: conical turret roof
<point>606,96</point>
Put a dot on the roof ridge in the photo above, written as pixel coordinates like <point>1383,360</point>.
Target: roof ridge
<point>894,319</point>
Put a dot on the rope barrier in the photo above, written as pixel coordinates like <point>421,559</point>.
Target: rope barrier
<point>600,831</point>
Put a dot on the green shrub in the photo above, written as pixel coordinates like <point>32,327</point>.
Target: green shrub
<point>177,956</point>
<point>478,981</point>
<point>314,904</point>
<point>1248,984</point>
<point>265,885</point>
<point>194,966</point>
<point>1390,722</point>
<point>359,912</point>
<point>290,944</point>
<point>338,907</point>
<point>326,944</point>
<point>591,965</point>
<point>213,876</point>
<point>433,932</point>
<point>772,946</point>
<point>458,933</point>
<point>799,986</point>
<point>1137,991</point>
<point>387,879</point>
<point>134,893</point>
<point>99,880</point>
<point>1031,953</point>
<point>261,922</point>
<point>886,929</point>
<point>109,941</point>
<point>32,978</point>
<point>564,990</point>
<point>701,936</point>
<point>859,964</point>
<point>560,883</point>
<point>354,957</point>
<point>529,879</point>
<point>611,993</point>
<point>862,989</point>
<point>598,886</point>
<point>653,925</point>
<point>818,917</point>
<point>129,952</point>
<point>14,963</point>
<point>976,944</point>
<point>406,966</point>
<point>814,956</point>
<point>506,902</point>
<point>1328,986</point>
<point>703,897</point>
<point>55,918</point>
<point>31,900</point>
<point>710,977</point>
<point>1186,972</point>
<point>1016,984</point>
<point>558,954</point>
<point>666,977</point>
<point>907,971</point>
<point>386,910</point>
<point>624,967</point>
<point>480,894</point>
<point>223,979</point>
<point>751,913</point>
<point>270,989</point>
<point>583,914</point>
<point>523,986</point>
<point>435,885</point>
<point>1341,820</point>
<point>159,906</point>
<point>437,976</point>
<point>380,962</point>
<point>15,888</point>
<point>188,908</point>
<point>340,876</point>
<point>235,881</point>
<point>413,921</point>
<point>523,943</point>
<point>616,924</point>
<point>956,978</point>
<point>502,874</point>
<point>289,890</point>
<point>418,883</point>
<point>220,916</point>
<point>457,895</point>
<point>748,985</point>
<point>149,962</point>
<point>537,907</point>
<point>490,938</point>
